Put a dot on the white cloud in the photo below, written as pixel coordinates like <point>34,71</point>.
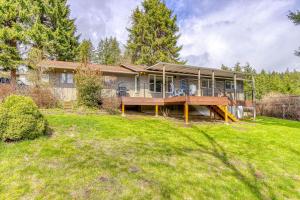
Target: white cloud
<point>212,32</point>
<point>96,19</point>
<point>258,32</point>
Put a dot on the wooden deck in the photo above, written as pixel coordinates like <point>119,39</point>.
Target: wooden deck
<point>181,100</point>
<point>216,105</point>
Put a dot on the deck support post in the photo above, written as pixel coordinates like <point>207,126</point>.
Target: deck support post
<point>213,84</point>
<point>199,82</point>
<point>253,98</point>
<point>156,110</point>
<point>164,82</point>
<point>123,110</point>
<point>210,114</point>
<point>226,114</point>
<point>235,94</point>
<point>186,113</point>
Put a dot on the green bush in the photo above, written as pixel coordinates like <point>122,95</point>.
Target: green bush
<point>20,119</point>
<point>89,87</point>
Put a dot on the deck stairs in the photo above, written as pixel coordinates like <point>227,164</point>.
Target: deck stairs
<point>220,111</point>
<point>68,105</point>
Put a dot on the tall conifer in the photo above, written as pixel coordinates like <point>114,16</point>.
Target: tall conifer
<point>153,35</point>
<point>54,30</point>
<point>108,51</point>
<point>14,22</point>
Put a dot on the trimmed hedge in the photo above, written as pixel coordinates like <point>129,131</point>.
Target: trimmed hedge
<point>20,119</point>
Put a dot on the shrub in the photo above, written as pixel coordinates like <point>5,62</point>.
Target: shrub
<point>89,86</point>
<point>111,105</point>
<point>20,119</point>
<point>6,90</point>
<point>280,105</point>
<point>43,97</point>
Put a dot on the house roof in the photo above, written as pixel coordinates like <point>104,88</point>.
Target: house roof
<point>193,70</point>
<point>135,69</point>
<point>75,65</point>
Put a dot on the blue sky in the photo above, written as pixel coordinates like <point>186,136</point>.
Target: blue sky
<point>213,32</point>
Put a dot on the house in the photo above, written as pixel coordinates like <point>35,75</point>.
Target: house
<point>159,85</point>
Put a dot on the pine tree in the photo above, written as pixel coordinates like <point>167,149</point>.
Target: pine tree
<point>224,67</point>
<point>237,67</point>
<point>85,52</point>
<point>15,17</point>
<point>108,51</point>
<point>153,35</point>
<point>54,31</point>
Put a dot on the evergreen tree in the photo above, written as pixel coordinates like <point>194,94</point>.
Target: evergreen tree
<point>15,17</point>
<point>53,30</point>
<point>224,67</point>
<point>237,67</point>
<point>153,35</point>
<point>295,17</point>
<point>85,52</point>
<point>108,52</point>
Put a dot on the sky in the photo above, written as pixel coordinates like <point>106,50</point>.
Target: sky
<point>213,32</point>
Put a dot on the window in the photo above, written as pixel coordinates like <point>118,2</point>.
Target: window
<point>183,85</point>
<point>169,83</point>
<point>152,83</point>
<point>45,78</point>
<point>229,85</point>
<point>206,83</point>
<point>66,78</point>
<point>156,83</point>
<point>136,84</point>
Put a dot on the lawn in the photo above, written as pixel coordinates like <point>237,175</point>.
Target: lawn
<point>110,157</point>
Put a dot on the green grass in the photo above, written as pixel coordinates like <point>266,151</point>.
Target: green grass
<point>109,157</point>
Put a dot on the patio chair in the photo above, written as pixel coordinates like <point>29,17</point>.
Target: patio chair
<point>122,90</point>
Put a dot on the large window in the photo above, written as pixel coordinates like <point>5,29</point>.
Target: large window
<point>156,83</point>
<point>206,83</point>
<point>229,85</point>
<point>66,78</point>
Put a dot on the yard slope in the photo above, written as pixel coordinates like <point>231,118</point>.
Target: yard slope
<point>109,157</point>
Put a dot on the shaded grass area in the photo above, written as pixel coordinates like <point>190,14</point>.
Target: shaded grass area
<point>109,157</point>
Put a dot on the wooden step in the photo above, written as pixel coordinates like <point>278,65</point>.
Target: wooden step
<point>220,111</point>
<point>68,105</point>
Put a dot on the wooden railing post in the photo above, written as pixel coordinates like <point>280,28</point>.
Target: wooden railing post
<point>213,84</point>
<point>199,82</point>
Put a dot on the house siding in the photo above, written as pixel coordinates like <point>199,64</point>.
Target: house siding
<point>67,92</point>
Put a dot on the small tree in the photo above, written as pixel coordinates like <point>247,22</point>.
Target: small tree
<point>35,56</point>
<point>89,86</point>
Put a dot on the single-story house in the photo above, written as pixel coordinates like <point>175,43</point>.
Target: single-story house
<point>157,85</point>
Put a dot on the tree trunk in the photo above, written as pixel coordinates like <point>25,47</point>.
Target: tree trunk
<point>13,77</point>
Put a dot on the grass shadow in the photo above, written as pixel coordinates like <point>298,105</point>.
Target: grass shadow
<point>216,150</point>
